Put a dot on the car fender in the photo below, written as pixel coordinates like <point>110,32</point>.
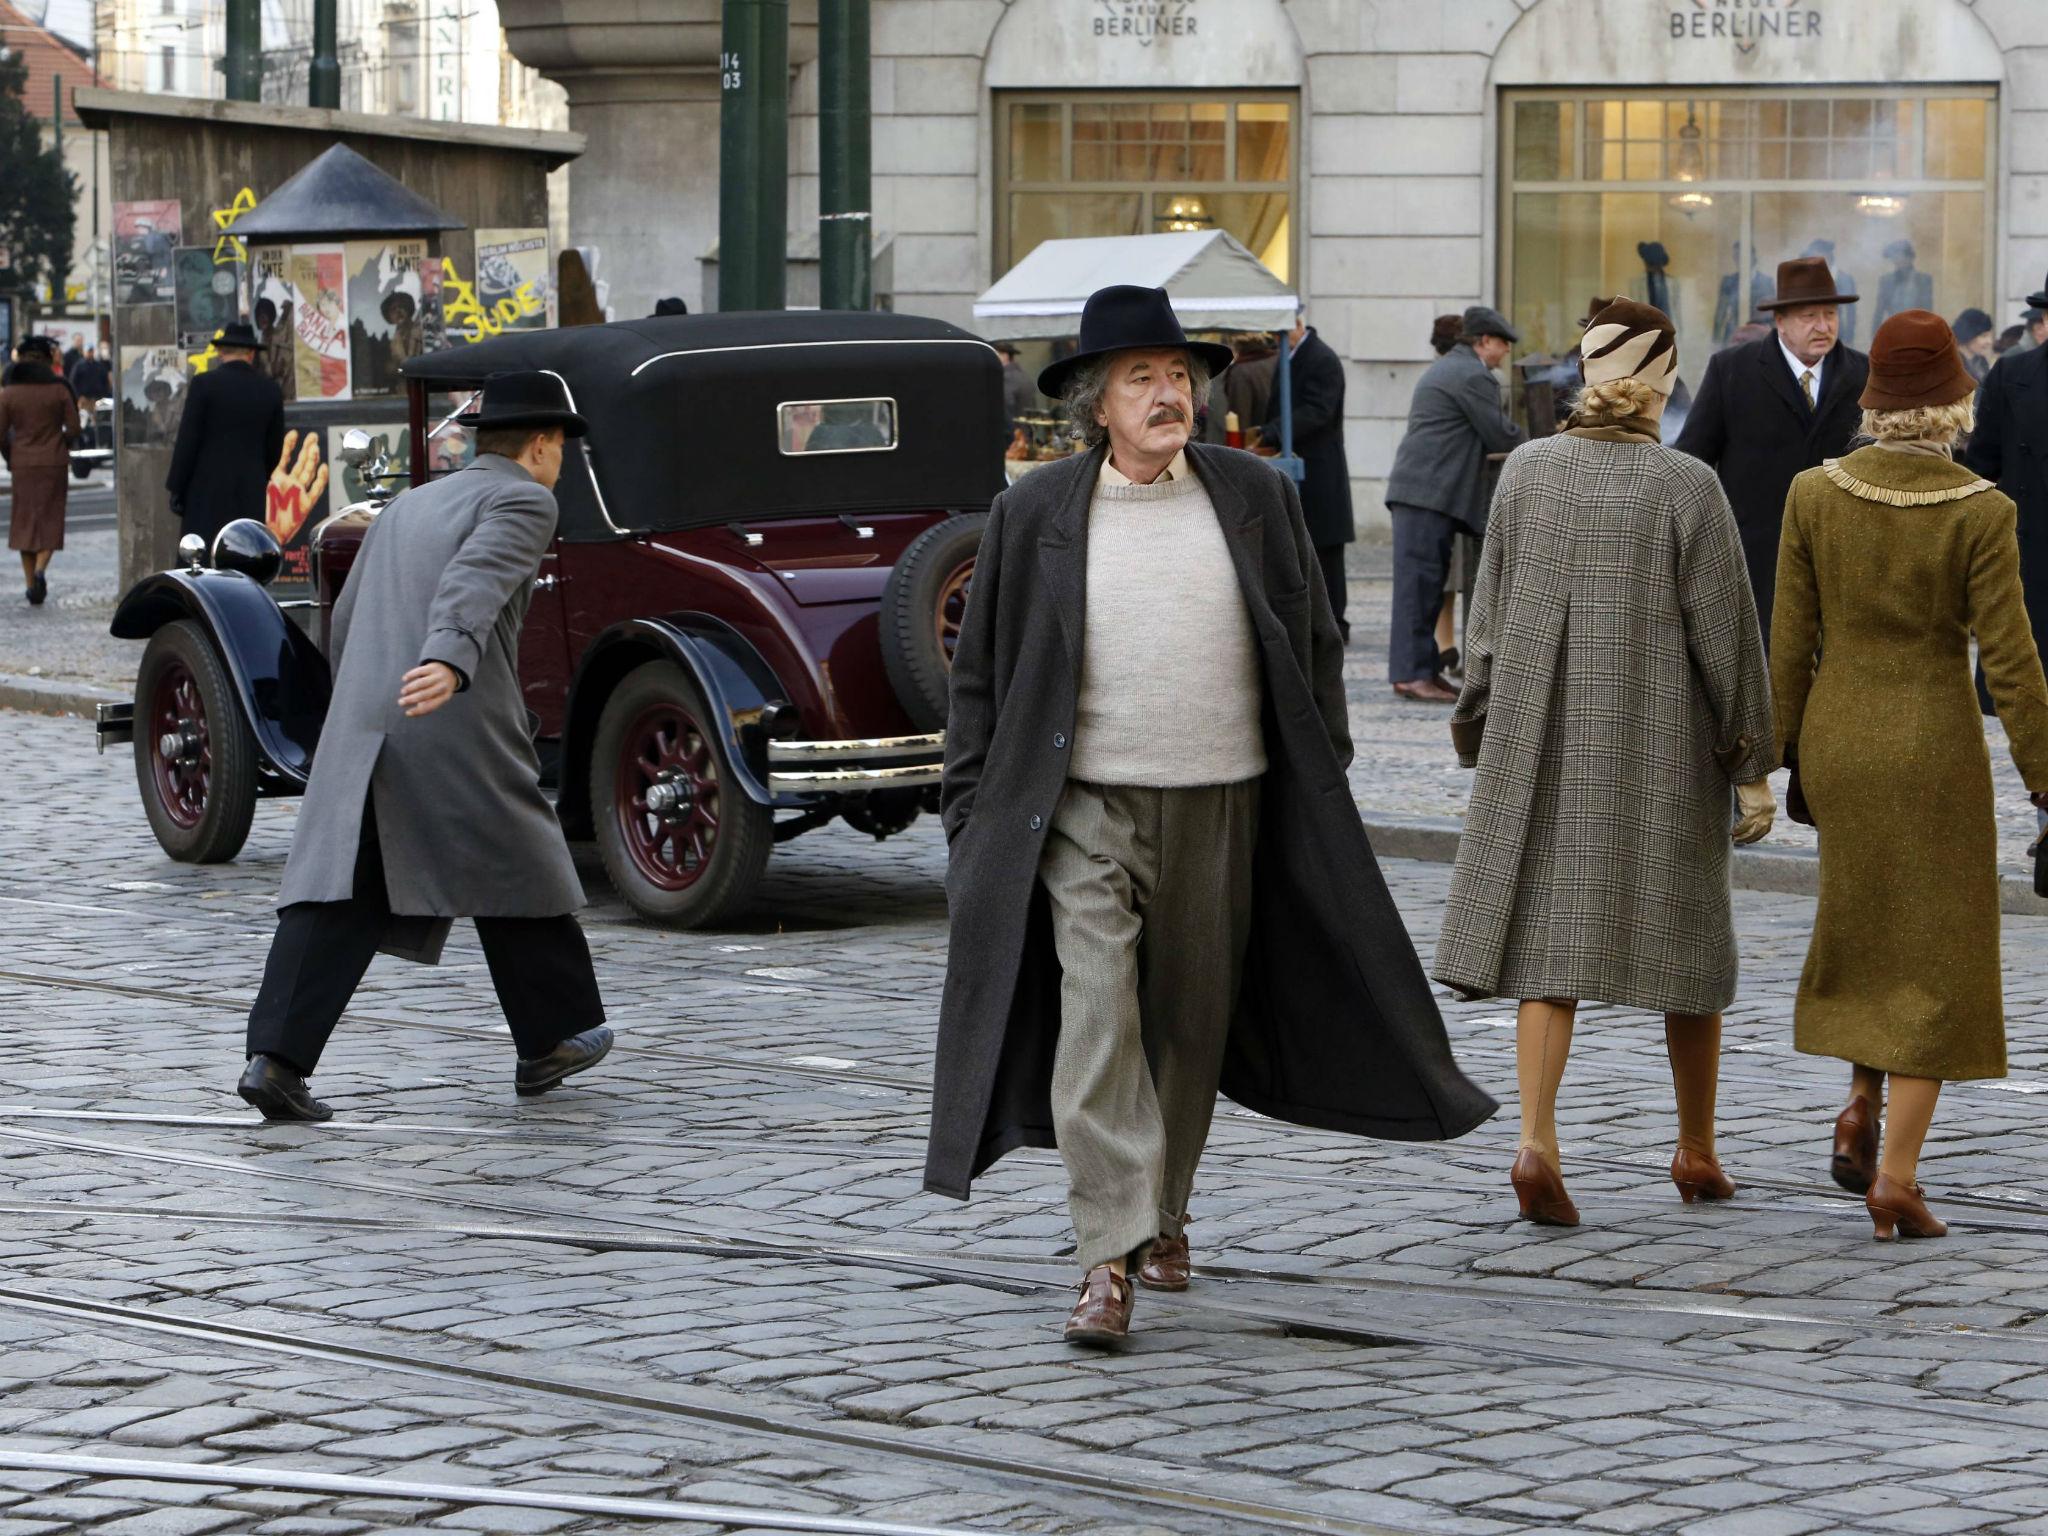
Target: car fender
<point>738,688</point>
<point>280,676</point>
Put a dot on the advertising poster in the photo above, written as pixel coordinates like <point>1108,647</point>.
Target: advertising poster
<point>208,295</point>
<point>433,319</point>
<point>386,311</point>
<point>270,311</point>
<point>295,502</point>
<point>319,285</point>
<point>512,277</point>
<point>145,240</point>
<point>152,395</point>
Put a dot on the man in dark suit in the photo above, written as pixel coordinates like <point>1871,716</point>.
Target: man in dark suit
<point>1316,375</point>
<point>1775,406</point>
<point>231,436</point>
<point>2010,445</point>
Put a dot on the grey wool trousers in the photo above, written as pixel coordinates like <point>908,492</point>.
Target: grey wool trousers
<point>1151,904</point>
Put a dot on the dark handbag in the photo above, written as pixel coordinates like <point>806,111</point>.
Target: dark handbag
<point>1466,737</point>
<point>1795,798</point>
<point>2041,865</point>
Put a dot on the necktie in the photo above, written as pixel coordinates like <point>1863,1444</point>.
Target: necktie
<point>1806,383</point>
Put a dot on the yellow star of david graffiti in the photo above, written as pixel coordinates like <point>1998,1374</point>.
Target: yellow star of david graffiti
<point>226,248</point>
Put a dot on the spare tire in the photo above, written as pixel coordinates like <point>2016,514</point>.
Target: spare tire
<point>922,609</point>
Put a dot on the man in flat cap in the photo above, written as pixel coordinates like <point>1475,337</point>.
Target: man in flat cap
<point>1158,879</point>
<point>1775,406</point>
<point>425,802</point>
<point>1439,486</point>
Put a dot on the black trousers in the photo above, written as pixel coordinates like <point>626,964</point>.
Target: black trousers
<point>1422,561</point>
<point>1331,558</point>
<point>539,965</point>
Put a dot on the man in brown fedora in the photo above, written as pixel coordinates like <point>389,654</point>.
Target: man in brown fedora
<point>1775,406</point>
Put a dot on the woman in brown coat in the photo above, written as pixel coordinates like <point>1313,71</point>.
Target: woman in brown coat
<point>1891,557</point>
<point>38,424</point>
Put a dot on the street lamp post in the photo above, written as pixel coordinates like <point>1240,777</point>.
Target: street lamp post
<point>244,62</point>
<point>753,153</point>
<point>845,234</point>
<point>323,79</point>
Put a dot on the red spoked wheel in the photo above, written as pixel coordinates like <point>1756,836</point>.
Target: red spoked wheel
<point>682,841</point>
<point>195,758</point>
<point>951,610</point>
<point>924,604</point>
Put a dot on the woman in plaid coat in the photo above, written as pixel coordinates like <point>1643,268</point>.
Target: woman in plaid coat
<point>1615,693</point>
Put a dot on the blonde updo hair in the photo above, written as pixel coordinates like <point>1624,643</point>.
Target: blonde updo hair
<point>1923,423</point>
<point>1614,403</point>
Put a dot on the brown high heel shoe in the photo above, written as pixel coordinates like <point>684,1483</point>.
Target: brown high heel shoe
<point>1896,1210</point>
<point>1541,1191</point>
<point>1699,1177</point>
<point>1855,1161</point>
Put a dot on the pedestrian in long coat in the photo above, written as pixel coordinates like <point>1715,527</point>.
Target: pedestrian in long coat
<point>2009,444</point>
<point>229,440</point>
<point>425,802</point>
<point>38,425</point>
<point>1158,879</point>
<point>1315,376</point>
<point>1438,488</point>
<point>1615,705</point>
<point>1894,557</point>
<point>1778,405</point>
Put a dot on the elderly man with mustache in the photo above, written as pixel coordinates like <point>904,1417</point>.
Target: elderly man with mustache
<point>1158,880</point>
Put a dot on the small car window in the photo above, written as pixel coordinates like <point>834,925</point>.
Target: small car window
<point>835,426</point>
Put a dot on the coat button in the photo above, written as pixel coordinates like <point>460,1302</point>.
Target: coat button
<point>1037,822</point>
<point>1059,738</point>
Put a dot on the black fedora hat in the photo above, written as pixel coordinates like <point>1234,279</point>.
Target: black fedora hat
<point>523,397</point>
<point>237,333</point>
<point>1121,318</point>
<point>2039,300</point>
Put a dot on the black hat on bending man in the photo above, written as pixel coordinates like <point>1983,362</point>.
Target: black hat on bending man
<point>524,397</point>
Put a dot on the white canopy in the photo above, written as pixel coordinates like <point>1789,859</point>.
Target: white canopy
<point>1214,282</point>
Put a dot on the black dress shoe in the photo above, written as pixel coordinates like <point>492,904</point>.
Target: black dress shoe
<point>576,1054</point>
<point>279,1092</point>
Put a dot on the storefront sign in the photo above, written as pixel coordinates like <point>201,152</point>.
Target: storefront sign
<point>1746,23</point>
<point>1145,21</point>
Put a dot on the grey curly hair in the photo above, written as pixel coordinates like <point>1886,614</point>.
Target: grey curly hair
<point>1087,384</point>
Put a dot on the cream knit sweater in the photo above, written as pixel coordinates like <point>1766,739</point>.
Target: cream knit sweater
<point>1170,692</point>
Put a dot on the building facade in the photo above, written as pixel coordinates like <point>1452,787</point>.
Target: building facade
<point>1398,160</point>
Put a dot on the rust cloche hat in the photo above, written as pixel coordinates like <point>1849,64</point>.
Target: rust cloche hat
<point>1914,361</point>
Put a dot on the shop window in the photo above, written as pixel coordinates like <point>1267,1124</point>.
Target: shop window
<point>1691,202</point>
<point>1117,164</point>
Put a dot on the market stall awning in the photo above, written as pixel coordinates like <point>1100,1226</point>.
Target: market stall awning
<point>1214,282</point>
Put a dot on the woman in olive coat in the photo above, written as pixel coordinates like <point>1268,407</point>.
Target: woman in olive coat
<point>1898,554</point>
<point>1618,673</point>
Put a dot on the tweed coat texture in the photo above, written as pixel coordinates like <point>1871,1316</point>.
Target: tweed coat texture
<point>1334,1024</point>
<point>1455,420</point>
<point>1902,972</point>
<point>38,424</point>
<point>1614,653</point>
<point>229,439</point>
<point>1752,423</point>
<point>2009,444</point>
<point>445,574</point>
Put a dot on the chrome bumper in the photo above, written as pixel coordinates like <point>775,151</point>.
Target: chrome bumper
<point>884,762</point>
<point>113,723</point>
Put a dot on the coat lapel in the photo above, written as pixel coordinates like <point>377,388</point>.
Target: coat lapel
<point>1063,550</point>
<point>1835,381</point>
<point>1778,377</point>
<point>1243,525</point>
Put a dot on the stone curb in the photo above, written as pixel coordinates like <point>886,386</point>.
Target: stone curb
<point>44,696</point>
<point>1784,871</point>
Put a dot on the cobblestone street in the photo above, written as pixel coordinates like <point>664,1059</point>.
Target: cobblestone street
<point>705,1274</point>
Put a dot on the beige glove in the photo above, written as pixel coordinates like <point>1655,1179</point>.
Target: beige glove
<point>1755,811</point>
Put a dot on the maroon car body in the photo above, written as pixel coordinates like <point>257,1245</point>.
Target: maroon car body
<point>741,631</point>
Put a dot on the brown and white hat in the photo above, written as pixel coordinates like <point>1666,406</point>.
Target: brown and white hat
<point>1628,340</point>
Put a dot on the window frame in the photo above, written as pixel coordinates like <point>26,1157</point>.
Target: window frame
<point>1006,184</point>
<point>1747,188</point>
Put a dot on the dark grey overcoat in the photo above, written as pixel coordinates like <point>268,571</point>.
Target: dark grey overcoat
<point>1335,1026</point>
<point>444,574</point>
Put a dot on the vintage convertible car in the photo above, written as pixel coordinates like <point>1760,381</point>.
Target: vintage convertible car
<point>742,631</point>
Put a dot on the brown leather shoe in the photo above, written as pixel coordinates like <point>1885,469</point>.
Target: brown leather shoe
<point>1855,1161</point>
<point>1699,1177</point>
<point>1103,1314</point>
<point>1428,690</point>
<point>1166,1265</point>
<point>1896,1211</point>
<point>1541,1190</point>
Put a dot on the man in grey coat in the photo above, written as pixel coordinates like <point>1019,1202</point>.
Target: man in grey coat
<point>1439,486</point>
<point>425,801</point>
